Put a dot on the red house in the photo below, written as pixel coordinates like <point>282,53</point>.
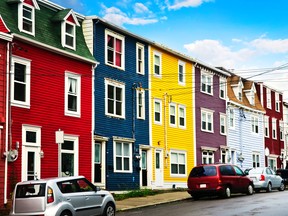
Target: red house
<point>49,130</point>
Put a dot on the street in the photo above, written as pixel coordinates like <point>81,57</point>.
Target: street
<point>264,204</point>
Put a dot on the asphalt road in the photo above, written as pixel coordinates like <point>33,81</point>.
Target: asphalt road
<point>264,204</point>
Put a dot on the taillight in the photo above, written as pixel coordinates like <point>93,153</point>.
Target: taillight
<point>50,195</point>
<point>262,178</point>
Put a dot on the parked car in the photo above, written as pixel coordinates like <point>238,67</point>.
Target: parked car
<point>284,175</point>
<point>218,179</point>
<point>65,196</point>
<point>264,178</point>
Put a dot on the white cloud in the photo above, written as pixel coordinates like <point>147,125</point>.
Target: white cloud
<point>177,4</point>
<point>140,8</point>
<point>270,46</point>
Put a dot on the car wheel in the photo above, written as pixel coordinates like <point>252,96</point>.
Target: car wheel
<point>250,190</point>
<point>66,213</point>
<point>227,192</point>
<point>109,209</point>
<point>269,187</point>
<point>196,197</point>
<point>282,187</point>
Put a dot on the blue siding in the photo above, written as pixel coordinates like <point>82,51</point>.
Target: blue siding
<point>130,127</point>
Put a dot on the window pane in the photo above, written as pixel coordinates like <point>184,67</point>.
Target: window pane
<point>181,158</point>
<point>173,158</point>
<point>174,168</point>
<point>119,149</point>
<point>118,163</point>
<point>67,145</point>
<point>67,164</point>
<point>126,149</point>
<point>31,136</point>
<point>126,163</point>
<point>181,169</point>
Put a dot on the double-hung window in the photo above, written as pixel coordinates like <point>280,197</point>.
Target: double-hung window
<point>69,34</point>
<point>266,126</point>
<point>207,157</point>
<point>207,120</point>
<point>172,114</point>
<point>281,123</point>
<point>157,111</point>
<point>255,124</point>
<point>256,160</point>
<point>140,59</point>
<point>178,163</point>
<point>114,49</point>
<point>140,104</point>
<point>274,128</point>
<point>277,102</point>
<point>222,88</point>
<point>114,99</point>
<point>231,118</point>
<point>206,83</point>
<point>268,98</point>
<point>181,72</point>
<point>72,94</point>
<point>26,18</point>
<point>157,64</point>
<point>182,116</point>
<point>20,82</point>
<point>222,124</point>
<point>122,157</point>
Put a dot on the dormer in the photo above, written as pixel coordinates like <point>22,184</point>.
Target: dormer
<point>250,91</point>
<point>68,21</point>
<point>237,86</point>
<point>26,16</point>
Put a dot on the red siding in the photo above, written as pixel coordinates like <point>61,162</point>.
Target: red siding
<point>30,2</point>
<point>3,27</point>
<point>71,19</point>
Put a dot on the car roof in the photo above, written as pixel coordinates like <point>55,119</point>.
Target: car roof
<point>52,179</point>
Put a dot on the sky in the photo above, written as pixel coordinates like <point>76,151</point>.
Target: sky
<point>248,37</point>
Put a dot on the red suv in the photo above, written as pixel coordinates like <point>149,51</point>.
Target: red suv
<point>218,179</point>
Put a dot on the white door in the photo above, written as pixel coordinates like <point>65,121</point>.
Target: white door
<point>30,163</point>
<point>159,168</point>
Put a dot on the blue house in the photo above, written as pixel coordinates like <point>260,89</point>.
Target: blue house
<point>121,122</point>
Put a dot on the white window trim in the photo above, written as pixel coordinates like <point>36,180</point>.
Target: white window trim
<point>78,90</point>
<point>268,98</point>
<point>119,85</point>
<point>120,37</point>
<point>175,114</point>
<point>35,129</point>
<point>210,112</point>
<point>142,71</point>
<point>274,127</point>
<point>206,75</point>
<point>184,108</point>
<point>266,125</point>
<point>20,18</point>
<point>185,155</point>
<point>254,123</point>
<point>27,63</point>
<point>130,157</point>
<point>281,125</point>
<point>222,86</point>
<point>208,156</point>
<point>160,104</point>
<point>160,64</point>
<point>183,64</point>
<point>255,154</point>
<point>64,33</point>
<point>233,118</point>
<point>140,91</point>
<point>223,116</point>
<point>277,102</point>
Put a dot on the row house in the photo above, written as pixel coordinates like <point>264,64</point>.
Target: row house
<point>285,133</point>
<point>245,117</point>
<point>272,101</point>
<point>49,102</point>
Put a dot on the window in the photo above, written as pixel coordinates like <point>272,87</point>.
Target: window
<point>268,98</point>
<point>207,121</point>
<point>223,156</point>
<point>114,54</point>
<point>240,94</point>
<point>274,128</point>
<point>178,163</point>
<point>255,124</point>
<point>140,59</point>
<point>140,104</point>
<point>182,116</point>
<point>72,94</point>
<point>206,83</point>
<point>114,99</point>
<point>68,36</point>
<point>222,124</point>
<point>256,160</point>
<point>281,123</point>
<point>231,118</point>
<point>158,111</point>
<point>277,102</point>
<point>172,114</point>
<point>181,72</point>
<point>207,157</point>
<point>122,157</point>
<point>20,82</point>
<point>26,18</point>
<point>272,163</point>
<point>69,156</point>
<point>266,126</point>
<point>157,64</point>
<point>222,88</point>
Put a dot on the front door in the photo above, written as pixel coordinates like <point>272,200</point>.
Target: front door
<point>97,163</point>
<point>159,168</point>
<point>31,163</point>
<point>144,167</point>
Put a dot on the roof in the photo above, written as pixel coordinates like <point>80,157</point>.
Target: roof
<point>47,32</point>
<point>53,179</point>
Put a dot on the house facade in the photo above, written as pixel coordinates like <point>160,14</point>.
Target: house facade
<point>272,101</point>
<point>210,114</point>
<point>121,136</point>
<point>245,136</point>
<point>171,120</point>
<point>285,131</point>
<point>50,93</point>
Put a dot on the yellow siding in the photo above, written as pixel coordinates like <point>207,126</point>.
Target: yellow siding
<point>166,88</point>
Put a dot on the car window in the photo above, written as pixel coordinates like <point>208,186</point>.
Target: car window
<point>238,171</point>
<point>74,186</point>
<point>269,171</point>
<point>30,190</point>
<point>203,171</point>
<point>85,185</point>
<point>227,170</point>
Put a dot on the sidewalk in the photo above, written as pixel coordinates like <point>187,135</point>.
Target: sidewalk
<point>138,202</point>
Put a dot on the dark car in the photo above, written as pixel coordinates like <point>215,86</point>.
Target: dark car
<point>284,174</point>
<point>218,179</point>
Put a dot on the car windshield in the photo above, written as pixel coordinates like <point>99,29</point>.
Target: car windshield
<point>203,171</point>
<point>256,171</point>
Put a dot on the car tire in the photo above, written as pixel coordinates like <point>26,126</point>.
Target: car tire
<point>250,189</point>
<point>196,197</point>
<point>282,187</point>
<point>109,210</point>
<point>227,192</point>
<point>66,213</point>
<point>269,188</point>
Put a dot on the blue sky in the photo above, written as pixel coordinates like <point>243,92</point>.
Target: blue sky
<point>248,36</point>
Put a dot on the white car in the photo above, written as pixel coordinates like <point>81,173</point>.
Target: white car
<point>65,196</point>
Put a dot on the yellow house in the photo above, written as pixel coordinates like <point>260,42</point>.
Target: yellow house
<point>171,117</point>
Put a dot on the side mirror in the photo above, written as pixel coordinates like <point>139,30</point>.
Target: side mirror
<point>97,188</point>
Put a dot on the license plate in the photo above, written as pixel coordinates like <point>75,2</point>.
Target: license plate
<point>202,185</point>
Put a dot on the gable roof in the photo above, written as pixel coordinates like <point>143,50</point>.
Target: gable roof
<point>64,15</point>
<point>47,32</point>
